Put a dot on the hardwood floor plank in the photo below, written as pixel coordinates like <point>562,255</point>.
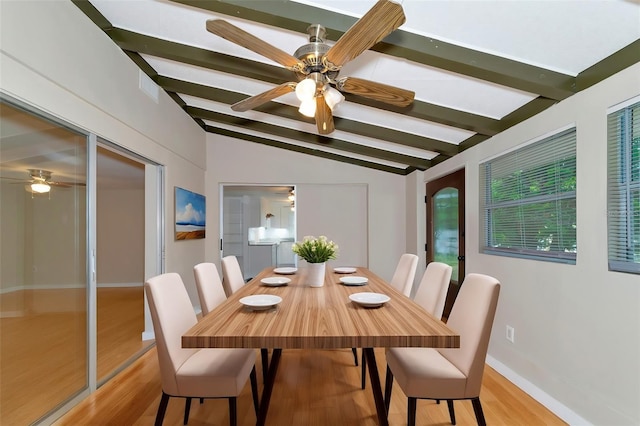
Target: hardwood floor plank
<point>32,380</point>
<point>312,387</point>
<point>319,388</point>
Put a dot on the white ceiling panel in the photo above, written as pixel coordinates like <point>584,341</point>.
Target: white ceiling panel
<point>476,67</point>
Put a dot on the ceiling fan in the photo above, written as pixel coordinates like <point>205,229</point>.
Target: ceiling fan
<point>40,181</point>
<point>316,65</point>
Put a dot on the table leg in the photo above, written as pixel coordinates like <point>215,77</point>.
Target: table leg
<point>268,387</point>
<point>376,387</point>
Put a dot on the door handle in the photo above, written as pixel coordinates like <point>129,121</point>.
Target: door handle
<point>461,258</point>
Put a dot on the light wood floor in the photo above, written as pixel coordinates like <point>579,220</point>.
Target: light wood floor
<point>312,388</point>
<point>43,347</point>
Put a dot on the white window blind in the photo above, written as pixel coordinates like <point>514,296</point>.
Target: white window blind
<point>528,200</point>
<point>623,194</point>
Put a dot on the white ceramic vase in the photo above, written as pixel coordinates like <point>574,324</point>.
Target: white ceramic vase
<point>315,274</point>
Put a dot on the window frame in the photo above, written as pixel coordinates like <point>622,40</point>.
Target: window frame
<point>489,207</point>
<point>622,186</point>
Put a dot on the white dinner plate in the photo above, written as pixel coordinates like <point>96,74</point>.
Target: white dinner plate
<point>369,300</point>
<point>285,271</point>
<point>275,281</point>
<point>354,280</point>
<point>344,270</point>
<point>259,302</point>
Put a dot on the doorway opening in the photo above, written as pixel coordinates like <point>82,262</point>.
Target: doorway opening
<point>258,226</point>
<point>120,258</point>
<point>56,181</point>
<point>445,229</point>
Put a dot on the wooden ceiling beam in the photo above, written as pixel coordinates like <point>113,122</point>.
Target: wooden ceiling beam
<point>310,138</point>
<point>294,16</point>
<point>289,112</point>
<point>309,151</point>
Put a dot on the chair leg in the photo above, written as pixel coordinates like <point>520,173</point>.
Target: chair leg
<point>254,389</point>
<point>388,384</point>
<point>452,412</point>
<point>477,408</point>
<point>187,408</point>
<point>355,355</point>
<point>201,400</point>
<point>264,353</point>
<point>233,415</point>
<point>162,408</point>
<point>411,411</point>
<point>364,371</point>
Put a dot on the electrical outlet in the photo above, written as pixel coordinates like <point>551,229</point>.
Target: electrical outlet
<point>511,333</point>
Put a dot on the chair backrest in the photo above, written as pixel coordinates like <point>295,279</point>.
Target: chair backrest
<point>172,314</point>
<point>209,286</point>
<point>232,278</point>
<point>434,285</point>
<point>405,272</point>
<point>472,317</point>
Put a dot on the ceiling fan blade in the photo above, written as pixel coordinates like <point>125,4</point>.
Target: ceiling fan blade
<point>381,20</point>
<point>261,98</point>
<point>240,37</point>
<point>66,184</point>
<point>20,180</point>
<point>324,117</point>
<point>376,91</point>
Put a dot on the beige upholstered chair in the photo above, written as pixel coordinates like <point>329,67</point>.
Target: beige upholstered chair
<point>432,292</point>
<point>232,281</point>
<point>426,373</point>
<point>402,280</point>
<point>405,272</point>
<point>431,295</point>
<point>232,278</point>
<point>209,286</point>
<point>193,373</point>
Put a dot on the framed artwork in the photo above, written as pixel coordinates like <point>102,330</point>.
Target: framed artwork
<point>191,215</point>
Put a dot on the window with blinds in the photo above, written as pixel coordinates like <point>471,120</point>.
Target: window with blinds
<point>528,200</point>
<point>623,192</point>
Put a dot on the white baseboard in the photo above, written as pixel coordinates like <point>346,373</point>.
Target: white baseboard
<point>148,335</point>
<point>119,285</point>
<point>8,290</point>
<point>552,404</point>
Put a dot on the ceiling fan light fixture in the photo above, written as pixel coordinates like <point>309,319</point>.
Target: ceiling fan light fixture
<point>40,187</point>
<point>333,97</point>
<point>308,107</point>
<point>306,89</point>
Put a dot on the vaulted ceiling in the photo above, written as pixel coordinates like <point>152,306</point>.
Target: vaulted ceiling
<point>476,67</point>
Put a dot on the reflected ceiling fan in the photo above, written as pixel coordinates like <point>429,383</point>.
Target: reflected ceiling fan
<point>316,64</point>
<point>40,182</point>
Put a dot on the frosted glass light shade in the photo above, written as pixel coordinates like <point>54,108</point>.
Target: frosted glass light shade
<point>333,97</point>
<point>40,188</point>
<point>306,89</point>
<point>308,107</point>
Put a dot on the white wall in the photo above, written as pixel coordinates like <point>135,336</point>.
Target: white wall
<point>54,58</point>
<point>120,237</point>
<point>236,161</point>
<point>416,223</point>
<point>577,327</point>
<point>12,213</point>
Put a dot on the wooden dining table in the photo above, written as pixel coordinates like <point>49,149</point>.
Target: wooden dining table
<point>320,318</point>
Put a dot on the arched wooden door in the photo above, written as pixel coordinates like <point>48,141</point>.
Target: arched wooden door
<point>445,228</point>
